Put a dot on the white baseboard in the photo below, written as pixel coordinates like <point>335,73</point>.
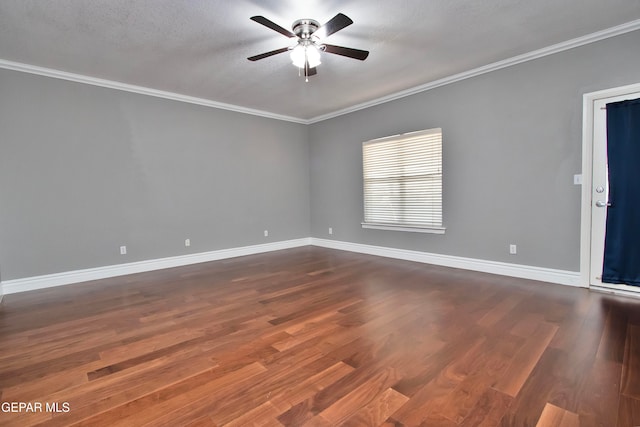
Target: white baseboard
<point>66,278</point>
<point>562,277</point>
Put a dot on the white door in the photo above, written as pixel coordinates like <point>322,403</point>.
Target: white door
<point>599,190</point>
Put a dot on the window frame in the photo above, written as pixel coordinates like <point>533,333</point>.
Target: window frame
<point>434,228</point>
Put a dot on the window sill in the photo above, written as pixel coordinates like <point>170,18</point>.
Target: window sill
<point>409,228</point>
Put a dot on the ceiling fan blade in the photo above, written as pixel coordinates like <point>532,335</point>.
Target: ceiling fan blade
<point>310,71</point>
<point>347,51</point>
<point>270,24</point>
<point>336,23</point>
<point>268,54</point>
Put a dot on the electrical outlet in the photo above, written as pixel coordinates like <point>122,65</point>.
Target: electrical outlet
<point>187,242</point>
<point>513,249</point>
<point>266,233</point>
<point>330,230</point>
<point>123,250</point>
<point>577,179</point>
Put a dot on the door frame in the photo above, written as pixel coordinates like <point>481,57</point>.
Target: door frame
<point>588,101</point>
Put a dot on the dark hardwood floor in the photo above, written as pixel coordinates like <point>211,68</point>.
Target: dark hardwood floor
<point>319,337</point>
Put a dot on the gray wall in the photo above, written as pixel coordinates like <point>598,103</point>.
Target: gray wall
<point>85,169</point>
<point>512,142</point>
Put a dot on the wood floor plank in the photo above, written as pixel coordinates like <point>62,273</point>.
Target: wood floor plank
<point>360,397</point>
<point>471,376</point>
<point>614,335</point>
<point>526,408</point>
<point>273,382</point>
<point>433,397</point>
<point>201,422</point>
<point>112,394</point>
<point>500,310</point>
<point>308,388</point>
<point>489,409</point>
<point>130,407</point>
<point>628,412</point>
<point>552,416</point>
<point>179,403</point>
<point>631,366</point>
<point>599,397</point>
<point>316,336</point>
<point>378,410</point>
<point>573,322</point>
<point>463,399</point>
<point>525,360</point>
<point>424,370</point>
<point>28,391</point>
<point>262,415</point>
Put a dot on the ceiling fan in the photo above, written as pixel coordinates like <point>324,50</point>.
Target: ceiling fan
<point>309,36</point>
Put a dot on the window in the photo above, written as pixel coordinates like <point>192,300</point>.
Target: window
<point>403,182</point>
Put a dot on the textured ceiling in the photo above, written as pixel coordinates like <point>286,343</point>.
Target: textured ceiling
<point>199,47</point>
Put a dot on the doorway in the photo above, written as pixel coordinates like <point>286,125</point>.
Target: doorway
<point>595,186</point>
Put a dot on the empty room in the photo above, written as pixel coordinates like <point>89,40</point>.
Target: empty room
<point>306,213</point>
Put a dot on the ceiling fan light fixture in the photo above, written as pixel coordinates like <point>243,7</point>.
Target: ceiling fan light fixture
<point>298,56</point>
<point>301,55</point>
<point>313,56</point>
<point>306,53</point>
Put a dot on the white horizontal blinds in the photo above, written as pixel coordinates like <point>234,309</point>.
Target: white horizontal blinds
<point>403,179</point>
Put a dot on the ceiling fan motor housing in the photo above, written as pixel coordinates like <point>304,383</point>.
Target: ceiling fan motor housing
<point>304,28</point>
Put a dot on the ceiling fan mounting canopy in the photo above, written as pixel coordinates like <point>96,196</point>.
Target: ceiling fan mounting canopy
<point>305,54</point>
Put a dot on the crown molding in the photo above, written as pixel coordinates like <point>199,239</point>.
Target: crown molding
<point>550,50</point>
<point>530,56</point>
<point>111,84</point>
